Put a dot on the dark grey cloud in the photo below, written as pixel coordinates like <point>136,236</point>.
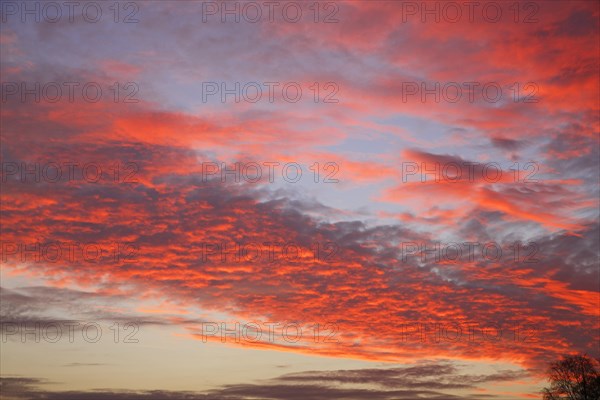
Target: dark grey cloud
<point>77,364</point>
<point>27,307</point>
<point>428,380</point>
<point>507,144</point>
<point>578,23</point>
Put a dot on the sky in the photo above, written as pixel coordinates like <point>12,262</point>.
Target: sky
<point>297,199</point>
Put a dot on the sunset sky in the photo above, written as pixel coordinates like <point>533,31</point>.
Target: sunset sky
<point>297,200</point>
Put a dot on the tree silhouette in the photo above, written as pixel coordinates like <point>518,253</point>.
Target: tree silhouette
<point>574,378</point>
